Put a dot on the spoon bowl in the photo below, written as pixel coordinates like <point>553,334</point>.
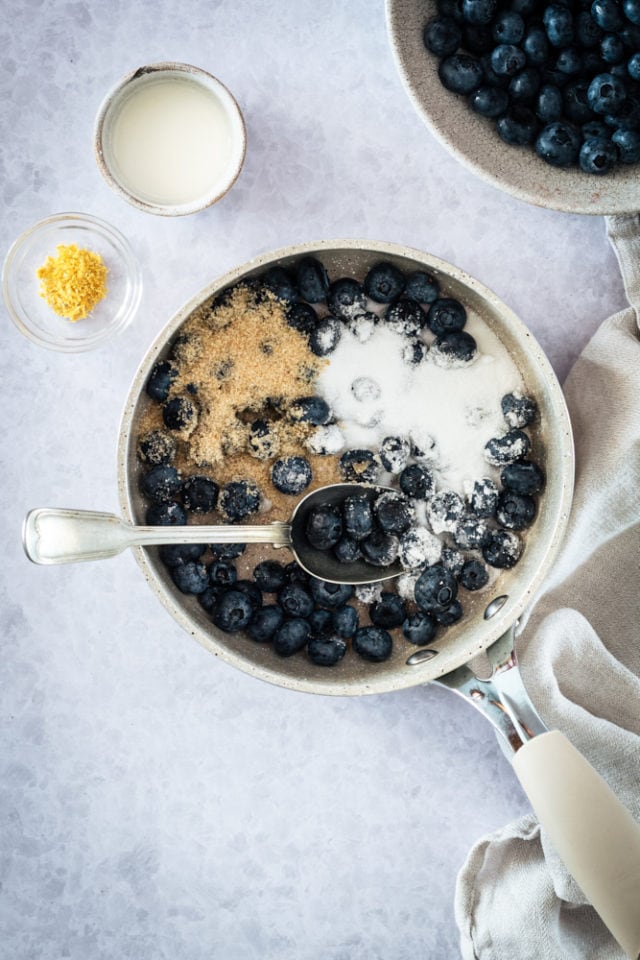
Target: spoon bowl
<point>52,535</point>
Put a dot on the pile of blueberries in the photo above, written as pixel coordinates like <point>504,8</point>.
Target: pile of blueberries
<point>281,604</point>
<point>563,77</point>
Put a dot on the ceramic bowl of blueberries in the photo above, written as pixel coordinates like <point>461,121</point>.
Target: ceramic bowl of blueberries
<point>344,361</point>
<point>541,99</point>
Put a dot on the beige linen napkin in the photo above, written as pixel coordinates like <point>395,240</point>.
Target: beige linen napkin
<point>580,654</point>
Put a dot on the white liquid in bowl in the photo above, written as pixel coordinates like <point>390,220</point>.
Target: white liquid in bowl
<point>171,141</point>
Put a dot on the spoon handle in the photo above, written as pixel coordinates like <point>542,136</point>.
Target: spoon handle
<point>52,535</point>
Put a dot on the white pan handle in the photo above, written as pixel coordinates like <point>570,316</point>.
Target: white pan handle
<point>594,834</point>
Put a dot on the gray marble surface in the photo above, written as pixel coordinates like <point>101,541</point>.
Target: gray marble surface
<point>155,803</point>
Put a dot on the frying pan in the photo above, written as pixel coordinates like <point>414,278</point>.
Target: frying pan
<point>594,834</point>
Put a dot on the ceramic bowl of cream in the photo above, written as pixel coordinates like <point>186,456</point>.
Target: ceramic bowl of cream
<point>170,139</point>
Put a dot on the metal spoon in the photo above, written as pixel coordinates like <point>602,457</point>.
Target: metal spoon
<point>67,536</point>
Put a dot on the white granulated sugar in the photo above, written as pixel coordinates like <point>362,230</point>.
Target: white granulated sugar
<point>453,411</point>
<point>326,440</point>
<point>405,585</point>
<point>419,548</point>
<point>369,592</point>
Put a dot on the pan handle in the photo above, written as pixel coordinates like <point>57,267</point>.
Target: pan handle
<point>595,835</point>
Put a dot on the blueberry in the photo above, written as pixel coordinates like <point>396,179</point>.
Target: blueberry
<point>384,282</point>
<point>471,533</point>
<point>419,628</point>
<point>302,317</point>
<point>157,447</point>
<point>324,526</point>
<point>452,560</point>
<point>321,622</point>
<point>446,315</point>
<point>358,516</point>
<point>628,144</point>
<point>200,494</point>
<point>507,60</point>
<point>474,575</point>
<point>455,349</point>
<point>569,61</point>
<point>607,14</point>
<point>347,550</point>
<point>363,326</point>
<point>612,49</point>
<point>394,453</point>
<point>633,66</point>
<point>380,549</point>
<point>436,589</point>
<point>263,443</point>
<point>442,36</point>
<point>414,352</point>
<point>295,600</point>
<point>281,284</point>
<point>598,156</point>
<point>450,8</point>
<point>460,73</point>
<point>500,451</point>
<point>344,621</point>
<point>239,499</point>
<point>269,575</point>
<point>576,102</point>
<point>251,591</point>
<point>406,317</point>
<point>227,551</point>
<point>359,466</point>
<point>365,389</point>
<point>508,27</point>
<point>346,299</point>
<point>452,614</point>
<point>476,38</point>
<point>388,612</point>
<point>222,573</point>
<point>489,101</point>
<point>503,550</point>
<point>291,475</point>
<point>312,280</point>
<point>265,623</point>
<point>558,22</point>
<point>536,46</point>
<point>324,339</point>
<point>161,484</point>
<point>180,413</point>
<point>478,11</point>
<point>631,10</point>
<point>330,595</point>
<point>393,511</point>
<point>416,481</point>
<point>587,32</point>
<point>515,511</point>
<point>524,7</point>
<point>418,548</point>
<point>606,94</point>
<point>559,144</point>
<point>190,577</point>
<point>162,375</point>
<point>518,410</point>
<point>422,287</point>
<point>294,573</point>
<point>166,515</point>
<point>373,644</point>
<point>177,554</point>
<point>313,410</point>
<point>291,637</point>
<point>595,128</point>
<point>444,510</point>
<point>517,127</point>
<point>210,597</point>
<point>326,651</point>
<point>524,86</point>
<point>483,498</point>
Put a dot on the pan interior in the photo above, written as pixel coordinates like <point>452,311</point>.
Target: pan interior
<point>551,446</point>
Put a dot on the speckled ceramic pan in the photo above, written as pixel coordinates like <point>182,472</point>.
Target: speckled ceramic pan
<point>473,139</point>
<point>552,446</point>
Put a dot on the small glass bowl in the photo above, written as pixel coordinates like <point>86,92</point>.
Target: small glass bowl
<point>21,285</point>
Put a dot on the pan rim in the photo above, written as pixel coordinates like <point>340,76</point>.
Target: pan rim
<point>383,680</point>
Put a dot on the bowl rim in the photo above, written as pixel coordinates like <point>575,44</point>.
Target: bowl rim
<point>497,625</point>
<point>601,199</point>
<point>231,106</point>
<point>86,220</point>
